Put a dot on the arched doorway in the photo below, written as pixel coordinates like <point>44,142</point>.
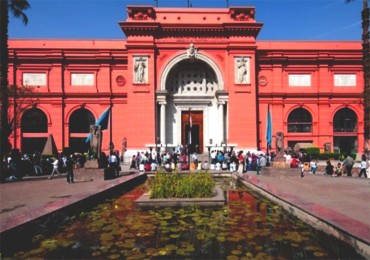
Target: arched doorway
<point>34,129</point>
<point>79,128</point>
<point>345,131</point>
<point>191,99</point>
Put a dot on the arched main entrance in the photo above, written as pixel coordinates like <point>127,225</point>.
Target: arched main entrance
<point>192,104</point>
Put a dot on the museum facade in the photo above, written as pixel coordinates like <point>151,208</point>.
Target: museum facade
<point>188,73</point>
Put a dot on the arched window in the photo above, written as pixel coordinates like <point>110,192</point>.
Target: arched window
<point>345,120</point>
<point>79,128</point>
<point>80,121</point>
<point>299,121</point>
<point>34,120</point>
<point>34,128</point>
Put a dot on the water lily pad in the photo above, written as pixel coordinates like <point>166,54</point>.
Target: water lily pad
<point>319,254</point>
<point>232,257</point>
<point>175,235</point>
<point>236,252</point>
<point>49,244</point>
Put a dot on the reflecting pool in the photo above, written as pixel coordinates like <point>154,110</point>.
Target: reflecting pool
<point>248,227</point>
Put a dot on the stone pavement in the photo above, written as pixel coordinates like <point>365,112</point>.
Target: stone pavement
<point>340,205</point>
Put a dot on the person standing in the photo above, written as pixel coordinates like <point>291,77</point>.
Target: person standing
<point>363,167</point>
<point>36,159</point>
<point>113,163</point>
<point>55,168</point>
<point>261,162</point>
<point>313,166</point>
<point>349,162</point>
<point>329,169</point>
<point>70,174</point>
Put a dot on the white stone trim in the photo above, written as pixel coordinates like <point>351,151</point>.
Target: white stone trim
<point>184,56</point>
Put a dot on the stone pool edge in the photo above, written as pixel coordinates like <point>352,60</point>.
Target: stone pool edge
<point>217,200</point>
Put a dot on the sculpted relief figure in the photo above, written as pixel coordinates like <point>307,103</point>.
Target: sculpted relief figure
<point>241,70</point>
<point>140,70</point>
<point>192,51</point>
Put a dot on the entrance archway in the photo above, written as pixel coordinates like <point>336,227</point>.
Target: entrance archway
<point>192,84</point>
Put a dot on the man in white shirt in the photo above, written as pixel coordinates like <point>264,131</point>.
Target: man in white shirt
<point>55,168</point>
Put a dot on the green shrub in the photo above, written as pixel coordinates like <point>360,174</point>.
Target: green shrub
<point>312,150</point>
<point>175,185</point>
<point>335,156</point>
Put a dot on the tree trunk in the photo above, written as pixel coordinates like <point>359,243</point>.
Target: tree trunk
<point>366,63</point>
<point>4,56</point>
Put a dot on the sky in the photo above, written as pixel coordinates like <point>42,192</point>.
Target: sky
<point>283,19</point>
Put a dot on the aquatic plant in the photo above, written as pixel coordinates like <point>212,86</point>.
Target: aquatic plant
<point>176,185</point>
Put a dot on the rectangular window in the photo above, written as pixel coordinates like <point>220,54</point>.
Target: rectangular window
<point>299,80</point>
<point>79,79</point>
<point>34,79</point>
<point>345,80</point>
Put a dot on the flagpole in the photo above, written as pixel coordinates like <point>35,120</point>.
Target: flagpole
<point>189,138</point>
<point>110,126</point>
<point>268,130</point>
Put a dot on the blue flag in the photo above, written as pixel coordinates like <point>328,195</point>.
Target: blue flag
<point>269,127</point>
<point>102,121</point>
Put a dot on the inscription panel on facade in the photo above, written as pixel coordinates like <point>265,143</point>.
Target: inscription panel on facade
<point>299,80</point>
<point>242,70</point>
<point>82,79</point>
<point>345,80</point>
<point>34,79</point>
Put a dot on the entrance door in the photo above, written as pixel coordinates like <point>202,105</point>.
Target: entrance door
<point>195,136</point>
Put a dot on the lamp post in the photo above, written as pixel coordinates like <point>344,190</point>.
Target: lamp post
<point>209,151</point>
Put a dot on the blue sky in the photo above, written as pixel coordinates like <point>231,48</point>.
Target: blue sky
<point>283,19</point>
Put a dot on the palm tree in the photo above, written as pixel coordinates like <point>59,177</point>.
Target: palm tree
<point>17,8</point>
<point>365,13</point>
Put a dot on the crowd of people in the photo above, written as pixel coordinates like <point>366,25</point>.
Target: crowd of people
<point>229,160</point>
<point>298,159</point>
<point>19,165</point>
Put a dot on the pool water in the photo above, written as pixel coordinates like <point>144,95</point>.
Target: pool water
<point>248,227</point>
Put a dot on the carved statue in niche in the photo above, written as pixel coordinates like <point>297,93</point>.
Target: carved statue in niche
<point>241,70</point>
<point>96,139</point>
<point>192,51</point>
<point>124,147</point>
<point>279,144</point>
<point>327,147</point>
<point>140,70</point>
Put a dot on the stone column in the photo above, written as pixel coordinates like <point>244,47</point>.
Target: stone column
<point>163,122</point>
<point>222,120</point>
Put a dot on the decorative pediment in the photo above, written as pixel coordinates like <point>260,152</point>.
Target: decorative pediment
<point>242,14</point>
<point>141,13</point>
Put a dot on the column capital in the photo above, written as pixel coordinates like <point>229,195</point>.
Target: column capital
<point>161,96</point>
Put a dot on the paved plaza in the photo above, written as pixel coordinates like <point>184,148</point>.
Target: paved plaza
<point>342,203</point>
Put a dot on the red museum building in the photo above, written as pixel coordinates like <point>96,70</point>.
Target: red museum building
<point>179,61</point>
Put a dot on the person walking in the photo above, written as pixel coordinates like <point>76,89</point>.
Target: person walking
<point>349,162</point>
<point>363,167</point>
<point>55,168</point>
